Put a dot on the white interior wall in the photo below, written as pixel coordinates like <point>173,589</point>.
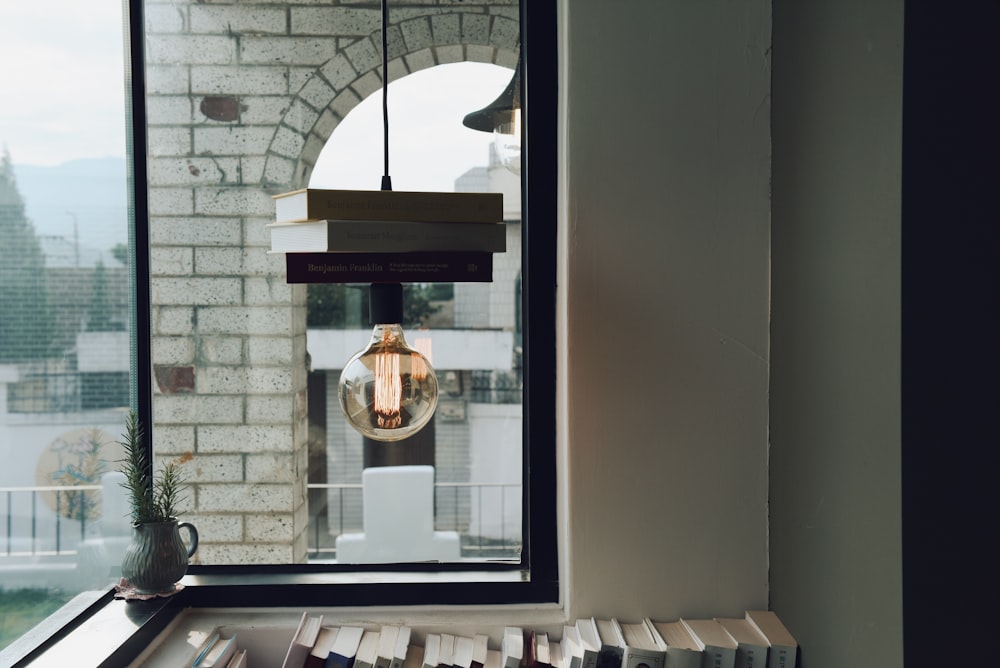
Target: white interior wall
<point>664,306</point>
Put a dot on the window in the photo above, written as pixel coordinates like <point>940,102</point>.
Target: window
<point>236,103</point>
<point>474,443</point>
<point>64,300</point>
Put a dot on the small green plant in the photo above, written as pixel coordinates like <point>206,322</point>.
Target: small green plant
<point>153,498</point>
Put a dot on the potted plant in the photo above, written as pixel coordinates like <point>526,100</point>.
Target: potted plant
<point>156,558</point>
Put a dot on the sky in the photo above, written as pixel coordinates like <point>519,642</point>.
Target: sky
<point>61,82</point>
<point>63,100</point>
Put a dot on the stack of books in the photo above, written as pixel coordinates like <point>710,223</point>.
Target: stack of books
<point>372,236</point>
<point>757,640</point>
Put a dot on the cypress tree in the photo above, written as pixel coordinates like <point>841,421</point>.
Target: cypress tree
<point>25,316</point>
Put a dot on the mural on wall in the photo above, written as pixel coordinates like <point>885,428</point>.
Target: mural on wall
<point>76,458</point>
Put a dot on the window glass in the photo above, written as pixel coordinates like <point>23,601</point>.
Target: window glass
<point>64,304</point>
<point>244,102</point>
<point>474,443</point>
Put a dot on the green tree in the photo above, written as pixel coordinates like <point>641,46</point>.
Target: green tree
<point>26,322</point>
<point>99,316</point>
<point>120,253</point>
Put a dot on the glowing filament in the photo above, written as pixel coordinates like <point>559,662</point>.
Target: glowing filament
<point>388,390</point>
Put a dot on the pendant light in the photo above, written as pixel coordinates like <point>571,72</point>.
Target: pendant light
<point>388,391</point>
<point>502,117</point>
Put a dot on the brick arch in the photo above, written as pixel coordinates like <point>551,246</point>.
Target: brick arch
<point>483,34</point>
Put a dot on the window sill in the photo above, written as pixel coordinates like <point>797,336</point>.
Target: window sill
<point>95,629</point>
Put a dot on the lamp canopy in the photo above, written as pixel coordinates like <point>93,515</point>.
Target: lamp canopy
<point>499,111</point>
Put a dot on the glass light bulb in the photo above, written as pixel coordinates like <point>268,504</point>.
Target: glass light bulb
<point>388,391</point>
<point>507,140</point>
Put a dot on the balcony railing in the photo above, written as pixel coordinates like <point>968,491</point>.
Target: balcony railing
<point>69,517</point>
<point>471,508</point>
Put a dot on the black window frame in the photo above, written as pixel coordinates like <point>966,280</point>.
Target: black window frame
<point>535,578</point>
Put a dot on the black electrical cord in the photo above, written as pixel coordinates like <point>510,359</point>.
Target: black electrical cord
<point>386,181</point>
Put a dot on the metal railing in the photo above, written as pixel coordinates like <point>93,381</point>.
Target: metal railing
<point>453,512</point>
<point>71,511</point>
<point>26,534</point>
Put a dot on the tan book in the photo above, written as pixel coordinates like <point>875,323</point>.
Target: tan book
<point>319,204</point>
<point>783,649</point>
<point>751,645</point>
<point>368,236</point>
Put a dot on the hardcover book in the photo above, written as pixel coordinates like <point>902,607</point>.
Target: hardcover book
<point>345,647</point>
<point>302,641</point>
<point>572,650</point>
<point>317,204</point>
<point>401,649</point>
<point>386,645</point>
<point>611,649</point>
<point>640,647</point>
<point>432,649</point>
<point>590,642</point>
<point>446,652</point>
<point>719,647</point>
<point>321,648</point>
<point>681,650</point>
<point>783,649</point>
<point>365,236</point>
<point>512,650</point>
<point>751,645</point>
<point>367,650</point>
<point>480,646</point>
<point>451,267</point>
<point>462,657</point>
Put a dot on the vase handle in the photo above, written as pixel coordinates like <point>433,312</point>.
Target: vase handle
<point>192,537</point>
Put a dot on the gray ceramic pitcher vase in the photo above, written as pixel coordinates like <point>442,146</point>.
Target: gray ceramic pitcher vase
<point>157,558</point>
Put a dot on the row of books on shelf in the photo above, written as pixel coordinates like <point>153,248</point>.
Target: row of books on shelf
<point>348,236</point>
<point>757,640</point>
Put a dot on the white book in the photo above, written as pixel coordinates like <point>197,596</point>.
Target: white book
<point>446,654</point>
<point>386,645</point>
<point>751,645</point>
<point>556,655</point>
<point>572,650</point>
<point>239,660</point>
<point>345,647</point>
<point>367,650</point>
<point>302,640</point>
<point>541,649</point>
<point>680,648</point>
<point>325,639</point>
<point>352,236</point>
<point>432,649</point>
<point>462,657</point>
<point>612,650</point>
<point>719,647</point>
<point>783,649</point>
<point>512,649</point>
<point>219,654</point>
<point>480,646</point>
<point>402,647</point>
<point>641,649</point>
<point>590,641</point>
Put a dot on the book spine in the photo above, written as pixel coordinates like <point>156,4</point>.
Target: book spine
<point>445,267</point>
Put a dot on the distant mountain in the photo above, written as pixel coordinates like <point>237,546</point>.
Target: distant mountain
<point>82,201</point>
